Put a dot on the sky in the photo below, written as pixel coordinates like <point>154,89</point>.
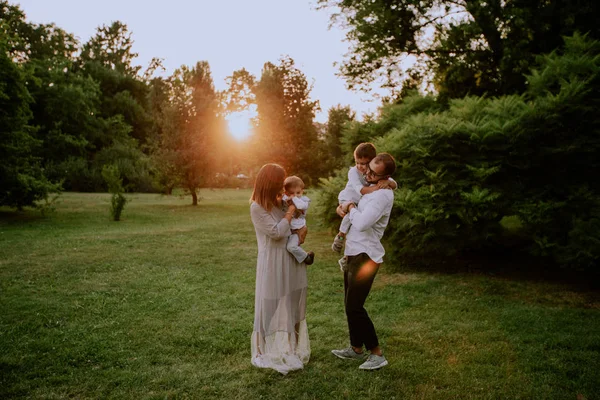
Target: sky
<point>229,34</point>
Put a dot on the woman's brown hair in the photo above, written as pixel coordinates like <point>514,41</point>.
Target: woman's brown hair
<point>268,184</point>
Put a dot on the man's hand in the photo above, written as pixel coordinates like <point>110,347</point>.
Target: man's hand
<point>302,234</point>
<point>342,209</point>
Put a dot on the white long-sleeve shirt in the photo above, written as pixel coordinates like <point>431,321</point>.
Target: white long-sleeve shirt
<point>299,218</point>
<point>369,220</point>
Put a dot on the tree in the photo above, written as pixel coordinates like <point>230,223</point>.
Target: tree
<point>464,168</point>
<point>22,181</point>
<point>240,95</point>
<point>111,47</point>
<point>108,58</point>
<point>25,41</point>
<point>65,108</point>
<point>86,110</point>
<point>190,128</point>
<point>285,131</point>
<point>463,47</point>
<point>63,102</point>
<point>338,119</point>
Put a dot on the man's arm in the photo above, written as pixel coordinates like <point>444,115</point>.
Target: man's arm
<point>367,218</point>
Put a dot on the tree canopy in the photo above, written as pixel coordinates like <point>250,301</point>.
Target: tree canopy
<point>461,47</point>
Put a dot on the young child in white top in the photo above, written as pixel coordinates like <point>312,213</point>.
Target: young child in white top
<point>294,192</point>
<point>357,186</point>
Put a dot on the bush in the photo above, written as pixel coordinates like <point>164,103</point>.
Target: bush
<point>463,169</point>
<point>112,176</point>
<point>326,199</point>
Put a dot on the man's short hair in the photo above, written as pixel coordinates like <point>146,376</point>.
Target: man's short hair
<point>293,182</point>
<point>388,161</point>
<point>365,150</point>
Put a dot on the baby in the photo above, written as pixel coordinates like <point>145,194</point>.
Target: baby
<point>294,192</point>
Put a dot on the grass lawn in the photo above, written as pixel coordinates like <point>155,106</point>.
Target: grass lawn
<point>160,305</point>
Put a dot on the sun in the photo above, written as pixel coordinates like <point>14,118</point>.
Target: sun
<point>240,124</point>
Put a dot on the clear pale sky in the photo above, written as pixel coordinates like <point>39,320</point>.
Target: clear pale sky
<point>229,34</point>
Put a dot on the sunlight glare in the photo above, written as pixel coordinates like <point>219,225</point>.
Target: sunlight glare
<point>240,124</point>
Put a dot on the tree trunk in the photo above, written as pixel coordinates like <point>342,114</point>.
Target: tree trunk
<point>485,14</point>
<point>194,196</point>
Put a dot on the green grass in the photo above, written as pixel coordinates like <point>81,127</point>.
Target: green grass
<point>160,305</point>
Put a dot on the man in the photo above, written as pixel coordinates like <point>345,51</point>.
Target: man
<point>364,253</point>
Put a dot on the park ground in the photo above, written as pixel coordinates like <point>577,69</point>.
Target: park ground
<point>160,305</point>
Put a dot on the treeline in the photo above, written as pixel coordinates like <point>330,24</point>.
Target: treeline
<point>505,150</point>
<point>70,109</point>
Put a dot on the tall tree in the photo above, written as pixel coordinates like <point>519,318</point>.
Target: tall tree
<point>108,58</point>
<point>65,108</point>
<point>22,181</point>
<point>285,130</point>
<point>463,46</point>
<point>191,127</point>
<point>338,119</point>
<point>112,47</point>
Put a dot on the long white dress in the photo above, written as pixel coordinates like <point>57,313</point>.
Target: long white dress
<point>280,337</point>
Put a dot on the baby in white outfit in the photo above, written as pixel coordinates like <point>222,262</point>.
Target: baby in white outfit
<point>294,192</point>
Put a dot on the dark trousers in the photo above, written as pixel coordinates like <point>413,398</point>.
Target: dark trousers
<point>358,279</point>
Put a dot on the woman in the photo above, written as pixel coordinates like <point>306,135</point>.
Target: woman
<point>280,336</point>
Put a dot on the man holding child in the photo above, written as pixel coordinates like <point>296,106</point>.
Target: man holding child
<point>364,253</point>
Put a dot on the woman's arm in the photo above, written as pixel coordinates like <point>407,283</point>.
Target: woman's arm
<point>265,223</point>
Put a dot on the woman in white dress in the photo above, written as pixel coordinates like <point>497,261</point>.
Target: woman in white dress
<point>280,337</point>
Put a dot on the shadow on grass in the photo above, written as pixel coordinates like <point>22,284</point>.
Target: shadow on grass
<point>18,217</point>
<point>508,263</point>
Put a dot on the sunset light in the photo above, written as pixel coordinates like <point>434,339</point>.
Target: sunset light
<point>193,192</point>
<point>240,124</point>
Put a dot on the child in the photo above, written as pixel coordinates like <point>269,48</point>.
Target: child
<point>356,187</point>
<point>294,192</point>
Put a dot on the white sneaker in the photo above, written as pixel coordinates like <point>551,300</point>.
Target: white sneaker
<point>338,244</point>
<point>374,362</point>
<point>343,262</point>
<point>348,354</point>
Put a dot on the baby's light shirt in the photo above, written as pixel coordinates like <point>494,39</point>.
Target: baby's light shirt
<point>301,204</point>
